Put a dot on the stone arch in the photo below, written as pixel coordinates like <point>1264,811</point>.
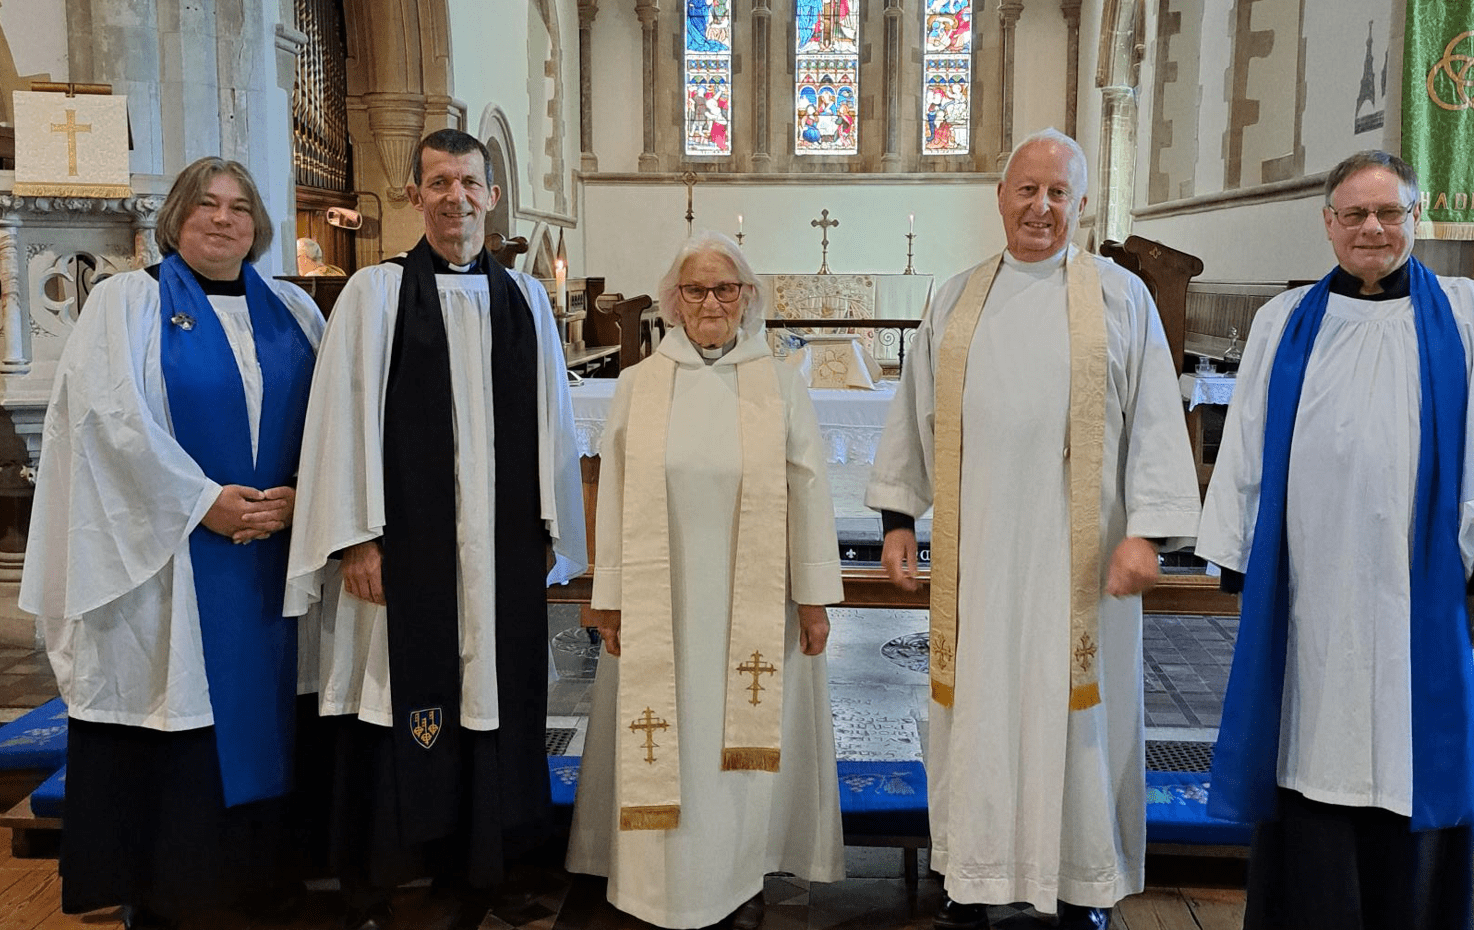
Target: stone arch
<point>541,254</point>
<point>495,131</point>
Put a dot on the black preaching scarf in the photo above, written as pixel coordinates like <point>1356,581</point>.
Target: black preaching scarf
<point>419,542</point>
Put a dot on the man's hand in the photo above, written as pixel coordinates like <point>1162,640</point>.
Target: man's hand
<point>607,623</point>
<point>1134,568</point>
<point>898,557</point>
<point>244,513</point>
<point>813,629</point>
<point>363,572</point>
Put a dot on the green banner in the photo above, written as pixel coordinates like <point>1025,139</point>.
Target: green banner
<point>1438,113</point>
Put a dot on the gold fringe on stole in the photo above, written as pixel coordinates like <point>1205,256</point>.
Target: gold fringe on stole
<point>663,817</point>
<point>1086,433</point>
<point>755,650</point>
<point>946,502</point>
<point>749,759</point>
<point>647,744</point>
<point>1086,462</point>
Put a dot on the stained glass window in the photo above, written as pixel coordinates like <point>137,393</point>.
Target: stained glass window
<point>708,77</point>
<point>827,68</point>
<point>947,65</point>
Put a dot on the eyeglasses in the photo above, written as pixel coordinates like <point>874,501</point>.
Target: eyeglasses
<point>1387,216</point>
<point>726,292</point>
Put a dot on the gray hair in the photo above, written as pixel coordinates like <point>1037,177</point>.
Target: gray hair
<point>1079,169</point>
<point>1373,158</point>
<point>310,248</point>
<point>707,241</point>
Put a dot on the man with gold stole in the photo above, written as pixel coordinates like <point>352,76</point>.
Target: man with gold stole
<point>1341,501</point>
<point>1039,413</point>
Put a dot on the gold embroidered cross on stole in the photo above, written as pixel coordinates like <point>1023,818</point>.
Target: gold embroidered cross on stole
<point>755,666</point>
<point>649,723</point>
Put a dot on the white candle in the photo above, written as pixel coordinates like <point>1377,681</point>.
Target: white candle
<point>739,222</point>
<point>911,223</point>
<point>560,275</point>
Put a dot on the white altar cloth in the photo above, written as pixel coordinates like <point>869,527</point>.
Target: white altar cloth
<point>1205,389</point>
<point>850,421</point>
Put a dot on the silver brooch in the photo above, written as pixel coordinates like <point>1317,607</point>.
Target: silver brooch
<point>182,320</point>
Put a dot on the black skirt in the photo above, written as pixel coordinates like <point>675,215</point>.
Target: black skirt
<point>1355,868</point>
<point>145,822</point>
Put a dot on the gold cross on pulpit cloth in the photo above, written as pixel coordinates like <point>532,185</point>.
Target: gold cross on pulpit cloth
<point>71,145</point>
<point>755,667</point>
<point>71,127</point>
<point>649,723</point>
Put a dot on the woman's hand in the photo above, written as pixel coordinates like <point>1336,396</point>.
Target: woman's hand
<point>607,623</point>
<point>244,513</point>
<point>813,629</point>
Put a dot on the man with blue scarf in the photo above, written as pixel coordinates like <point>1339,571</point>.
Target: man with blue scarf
<point>1341,497</point>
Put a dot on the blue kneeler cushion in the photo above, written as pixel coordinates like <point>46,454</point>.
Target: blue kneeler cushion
<point>46,800</point>
<point>1177,812</point>
<point>37,740</point>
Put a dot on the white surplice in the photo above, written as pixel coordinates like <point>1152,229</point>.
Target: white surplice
<point>340,491</point>
<point>1346,720</point>
<point>1029,801</point>
<point>108,568</point>
<point>735,826</point>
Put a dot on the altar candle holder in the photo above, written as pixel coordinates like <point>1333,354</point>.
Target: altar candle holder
<point>910,269</point>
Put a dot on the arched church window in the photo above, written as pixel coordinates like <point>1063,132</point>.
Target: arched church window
<point>946,105</point>
<point>826,77</point>
<point>708,77</point>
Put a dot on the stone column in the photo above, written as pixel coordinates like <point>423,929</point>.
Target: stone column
<point>16,359</point>
<point>762,34</point>
<point>1008,14</point>
<point>649,13</point>
<point>891,160</point>
<point>1071,11</point>
<point>145,212</point>
<point>1116,75</point>
<point>587,10</point>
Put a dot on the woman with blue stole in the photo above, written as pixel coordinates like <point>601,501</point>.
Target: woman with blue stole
<point>157,565</point>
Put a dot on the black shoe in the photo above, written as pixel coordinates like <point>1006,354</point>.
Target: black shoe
<point>376,917</point>
<point>749,916</point>
<point>954,916</point>
<point>137,917</point>
<point>1075,917</point>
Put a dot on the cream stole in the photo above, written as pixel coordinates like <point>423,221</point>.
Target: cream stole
<point>1085,451</point>
<point>649,767</point>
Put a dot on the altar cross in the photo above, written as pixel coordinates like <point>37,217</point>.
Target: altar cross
<point>649,723</point>
<point>824,225</point>
<point>71,127</point>
<point>755,667</point>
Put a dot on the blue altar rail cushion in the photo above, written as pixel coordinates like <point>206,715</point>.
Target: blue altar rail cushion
<point>1177,812</point>
<point>46,800</point>
<point>563,778</point>
<point>37,740</point>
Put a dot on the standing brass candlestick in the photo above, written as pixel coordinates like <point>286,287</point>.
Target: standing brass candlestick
<point>909,268</point>
<point>740,237</point>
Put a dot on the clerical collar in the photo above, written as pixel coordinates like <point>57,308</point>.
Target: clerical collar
<point>442,266</point>
<point>1395,286</point>
<point>210,286</point>
<point>711,355</point>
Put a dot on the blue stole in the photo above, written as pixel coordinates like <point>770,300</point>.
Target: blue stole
<point>1245,763</point>
<point>250,648</point>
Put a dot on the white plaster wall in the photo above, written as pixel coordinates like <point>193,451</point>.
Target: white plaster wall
<point>36,31</point>
<point>957,225</point>
<point>1213,70</point>
<point>1272,82</point>
<point>479,36</point>
<point>1276,241</point>
<point>618,86</point>
<point>1335,56</point>
<point>1039,67</point>
<point>1087,114</point>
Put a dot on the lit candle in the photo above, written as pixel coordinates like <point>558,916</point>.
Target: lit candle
<point>560,275</point>
<point>739,222</point>
<point>911,223</point>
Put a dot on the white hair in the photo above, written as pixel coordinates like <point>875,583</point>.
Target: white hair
<point>1079,171</point>
<point>310,248</point>
<point>708,241</point>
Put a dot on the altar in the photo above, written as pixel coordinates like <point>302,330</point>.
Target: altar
<point>855,297</point>
<point>850,421</point>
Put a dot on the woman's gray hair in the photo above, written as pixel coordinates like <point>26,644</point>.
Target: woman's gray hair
<point>754,312</point>
<point>189,189</point>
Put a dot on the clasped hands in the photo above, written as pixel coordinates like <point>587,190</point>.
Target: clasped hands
<point>245,514</point>
<point>1134,568</point>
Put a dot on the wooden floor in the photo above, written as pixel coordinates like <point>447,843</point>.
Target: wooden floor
<point>876,899</point>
